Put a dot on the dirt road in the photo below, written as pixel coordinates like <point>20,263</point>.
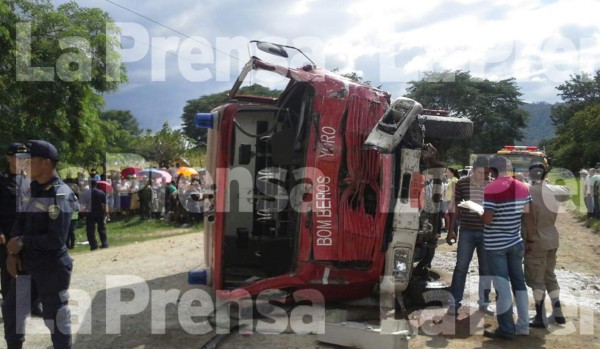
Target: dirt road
<point>148,281</point>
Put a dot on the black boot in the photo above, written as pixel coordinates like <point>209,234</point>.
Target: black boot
<point>557,312</point>
<point>17,345</point>
<point>538,320</point>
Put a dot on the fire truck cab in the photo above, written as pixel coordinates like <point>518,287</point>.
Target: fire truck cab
<point>521,157</point>
<point>322,186</point>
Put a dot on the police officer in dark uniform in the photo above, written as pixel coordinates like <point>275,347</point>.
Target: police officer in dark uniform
<point>10,186</point>
<point>37,249</point>
<point>14,185</point>
<point>97,216</point>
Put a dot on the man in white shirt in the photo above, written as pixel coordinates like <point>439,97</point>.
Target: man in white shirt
<point>587,192</point>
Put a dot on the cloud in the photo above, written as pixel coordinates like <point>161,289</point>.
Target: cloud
<point>539,43</point>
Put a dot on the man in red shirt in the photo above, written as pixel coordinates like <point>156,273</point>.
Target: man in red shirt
<point>506,201</point>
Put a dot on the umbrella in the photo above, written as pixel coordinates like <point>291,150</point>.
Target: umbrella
<point>154,173</point>
<point>104,186</point>
<point>166,175</point>
<point>186,171</point>
<point>130,171</point>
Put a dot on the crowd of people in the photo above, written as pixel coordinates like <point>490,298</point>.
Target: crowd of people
<point>178,200</point>
<point>591,189</point>
<point>511,226</point>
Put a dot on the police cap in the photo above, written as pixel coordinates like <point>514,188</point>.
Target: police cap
<point>13,148</point>
<point>40,149</point>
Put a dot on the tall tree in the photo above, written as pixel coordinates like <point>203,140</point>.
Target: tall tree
<point>493,106</point>
<point>164,146</point>
<point>577,145</point>
<point>124,119</point>
<point>577,128</point>
<point>54,65</point>
<point>577,93</point>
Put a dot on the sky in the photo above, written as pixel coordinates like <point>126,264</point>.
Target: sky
<point>178,50</point>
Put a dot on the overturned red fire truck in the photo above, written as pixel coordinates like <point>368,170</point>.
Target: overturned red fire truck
<point>320,187</point>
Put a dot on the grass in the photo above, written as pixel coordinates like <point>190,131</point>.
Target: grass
<point>124,230</point>
<point>578,207</point>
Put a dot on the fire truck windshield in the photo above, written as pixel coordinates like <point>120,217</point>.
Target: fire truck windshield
<point>521,162</point>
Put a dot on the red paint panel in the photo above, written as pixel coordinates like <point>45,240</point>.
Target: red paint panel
<point>417,192</point>
<point>325,193</point>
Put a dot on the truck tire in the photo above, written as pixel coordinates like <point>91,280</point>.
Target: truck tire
<point>446,127</point>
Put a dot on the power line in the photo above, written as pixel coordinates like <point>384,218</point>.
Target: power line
<point>171,29</point>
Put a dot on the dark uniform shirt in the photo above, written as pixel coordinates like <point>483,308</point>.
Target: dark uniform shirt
<point>10,187</point>
<point>98,202</point>
<point>44,224</point>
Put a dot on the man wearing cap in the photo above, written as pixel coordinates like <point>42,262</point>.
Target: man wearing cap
<point>11,184</point>
<point>587,192</point>
<point>37,249</point>
<point>14,186</point>
<point>542,243</point>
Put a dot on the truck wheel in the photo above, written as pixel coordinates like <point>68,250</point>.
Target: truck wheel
<point>446,127</point>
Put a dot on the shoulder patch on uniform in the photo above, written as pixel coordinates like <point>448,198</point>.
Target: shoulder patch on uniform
<point>40,206</point>
<point>53,211</point>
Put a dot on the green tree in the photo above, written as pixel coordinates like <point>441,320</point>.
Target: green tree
<point>579,145</point>
<point>124,119</point>
<point>493,106</point>
<point>209,102</point>
<point>575,118</point>
<point>164,146</point>
<point>54,65</point>
<point>581,91</point>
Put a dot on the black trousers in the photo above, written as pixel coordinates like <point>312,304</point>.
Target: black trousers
<point>71,236</point>
<point>5,278</point>
<point>52,283</point>
<point>91,222</point>
<point>4,275</point>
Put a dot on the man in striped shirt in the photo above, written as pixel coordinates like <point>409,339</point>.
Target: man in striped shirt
<point>506,201</point>
<point>470,238</point>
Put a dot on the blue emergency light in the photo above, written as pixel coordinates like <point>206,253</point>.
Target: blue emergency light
<point>205,120</point>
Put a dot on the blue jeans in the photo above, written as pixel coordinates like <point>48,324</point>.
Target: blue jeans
<point>506,267</point>
<point>589,204</point>
<point>468,242</point>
